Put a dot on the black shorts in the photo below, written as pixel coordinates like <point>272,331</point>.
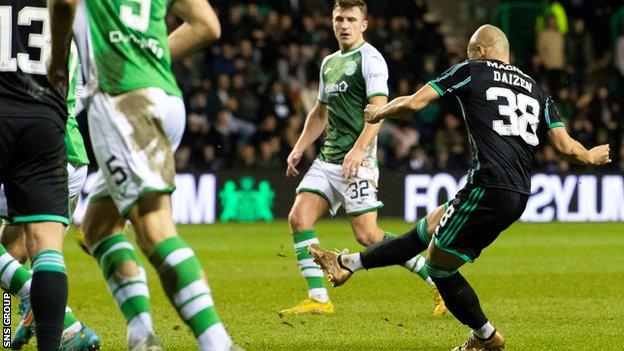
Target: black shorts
<point>33,161</point>
<point>475,218</point>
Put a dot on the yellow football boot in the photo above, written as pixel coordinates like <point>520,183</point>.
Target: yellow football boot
<point>309,306</point>
<point>439,307</point>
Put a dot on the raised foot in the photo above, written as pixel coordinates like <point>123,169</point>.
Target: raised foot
<point>329,263</point>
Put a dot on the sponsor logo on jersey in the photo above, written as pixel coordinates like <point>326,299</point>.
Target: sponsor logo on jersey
<point>350,68</point>
<point>498,65</point>
<point>144,43</point>
<point>336,88</point>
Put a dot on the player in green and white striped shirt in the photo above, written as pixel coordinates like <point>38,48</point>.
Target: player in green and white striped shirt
<point>345,172</point>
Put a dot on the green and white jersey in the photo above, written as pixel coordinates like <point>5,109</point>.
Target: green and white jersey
<point>347,82</point>
<point>76,153</point>
<point>129,42</point>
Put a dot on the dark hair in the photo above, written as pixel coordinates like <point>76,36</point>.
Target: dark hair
<point>347,4</point>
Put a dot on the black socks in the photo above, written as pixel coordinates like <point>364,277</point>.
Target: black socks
<point>48,299</point>
<point>393,251</point>
<point>461,300</point>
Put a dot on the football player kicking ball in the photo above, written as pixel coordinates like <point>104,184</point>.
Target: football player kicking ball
<point>346,172</point>
<point>507,115</point>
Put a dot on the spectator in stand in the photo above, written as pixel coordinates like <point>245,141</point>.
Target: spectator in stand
<point>268,154</point>
<point>606,113</point>
<point>246,157</point>
<point>579,52</point>
<point>276,102</point>
<point>419,160</point>
<point>248,102</point>
<point>224,63</point>
<point>309,94</point>
<point>450,145</point>
<point>551,52</point>
<point>291,67</point>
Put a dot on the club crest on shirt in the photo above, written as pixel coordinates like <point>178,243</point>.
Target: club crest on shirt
<point>350,68</point>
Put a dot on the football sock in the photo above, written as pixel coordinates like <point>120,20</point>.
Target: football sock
<point>69,320</point>
<point>14,278</point>
<point>182,279</point>
<point>393,251</point>
<point>417,265</point>
<point>351,262</point>
<point>309,269</point>
<point>48,298</point>
<point>459,297</point>
<point>485,332</point>
<point>130,292</point>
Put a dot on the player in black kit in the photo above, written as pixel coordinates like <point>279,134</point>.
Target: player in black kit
<point>33,158</point>
<point>507,115</point>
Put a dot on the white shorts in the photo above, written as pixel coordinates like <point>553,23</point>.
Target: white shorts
<point>133,137</point>
<point>357,195</point>
<point>76,178</point>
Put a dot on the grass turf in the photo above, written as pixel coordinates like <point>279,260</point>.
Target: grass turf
<point>553,286</point>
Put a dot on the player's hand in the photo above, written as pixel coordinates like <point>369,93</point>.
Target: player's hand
<point>599,155</point>
<point>370,113</point>
<point>58,75</point>
<point>292,162</point>
<point>351,163</point>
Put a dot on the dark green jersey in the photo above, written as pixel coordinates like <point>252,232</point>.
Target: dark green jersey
<point>347,82</point>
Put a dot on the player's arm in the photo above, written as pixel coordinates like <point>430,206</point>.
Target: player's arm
<point>353,159</point>
<point>403,106</point>
<point>61,14</point>
<point>200,28</point>
<point>572,151</point>
<point>455,80</point>
<point>314,126</point>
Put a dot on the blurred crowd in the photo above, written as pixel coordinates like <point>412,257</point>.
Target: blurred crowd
<point>247,95</point>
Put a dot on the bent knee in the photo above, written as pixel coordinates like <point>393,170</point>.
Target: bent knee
<point>298,221</point>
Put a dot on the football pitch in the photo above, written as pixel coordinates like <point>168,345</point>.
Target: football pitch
<point>555,286</point>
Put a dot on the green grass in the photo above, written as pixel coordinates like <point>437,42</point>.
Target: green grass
<point>545,286</point>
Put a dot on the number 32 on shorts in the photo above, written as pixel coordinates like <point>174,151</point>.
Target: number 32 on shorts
<point>359,189</point>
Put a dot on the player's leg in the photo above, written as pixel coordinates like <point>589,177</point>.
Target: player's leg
<point>181,273</point>
<point>444,260</point>
<point>48,291</point>
<point>369,234</point>
<point>396,250</point>
<point>36,190</point>
<point>75,334</point>
<point>120,264</point>
<point>103,225</point>
<point>136,158</point>
<point>12,239</point>
<point>472,222</point>
<point>308,207</point>
<point>16,280</point>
